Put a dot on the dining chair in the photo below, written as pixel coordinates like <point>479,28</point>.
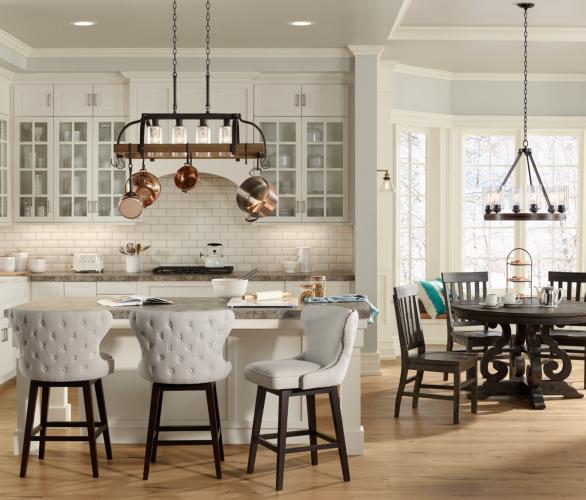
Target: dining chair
<point>572,341</point>
<point>474,336</point>
<point>62,349</point>
<point>415,357</point>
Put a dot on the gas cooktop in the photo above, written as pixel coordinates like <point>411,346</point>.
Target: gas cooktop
<point>193,270</point>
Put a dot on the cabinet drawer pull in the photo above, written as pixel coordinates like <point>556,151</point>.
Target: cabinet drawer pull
<point>49,100</point>
<point>296,100</point>
<point>4,335</point>
<point>95,99</point>
<point>89,100</point>
<point>303,100</point>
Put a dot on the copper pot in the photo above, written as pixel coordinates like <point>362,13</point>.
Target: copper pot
<point>256,197</point>
<point>130,206</point>
<point>147,186</point>
<point>186,177</point>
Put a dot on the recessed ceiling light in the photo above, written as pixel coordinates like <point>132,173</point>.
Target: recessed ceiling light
<point>83,23</point>
<point>300,23</point>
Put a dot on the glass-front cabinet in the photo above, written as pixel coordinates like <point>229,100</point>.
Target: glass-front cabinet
<point>308,167</point>
<point>325,159</point>
<point>34,182</point>
<point>72,167</point>
<point>108,181</point>
<point>284,153</point>
<point>4,188</point>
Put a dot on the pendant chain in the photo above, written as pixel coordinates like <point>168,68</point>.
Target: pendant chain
<point>525,142</point>
<point>174,54</point>
<point>207,54</point>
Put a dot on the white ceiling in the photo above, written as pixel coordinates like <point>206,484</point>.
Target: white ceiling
<point>235,23</point>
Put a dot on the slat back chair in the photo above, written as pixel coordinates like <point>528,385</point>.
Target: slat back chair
<point>411,339</point>
<point>573,340</point>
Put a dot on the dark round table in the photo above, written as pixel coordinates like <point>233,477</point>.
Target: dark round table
<point>533,326</point>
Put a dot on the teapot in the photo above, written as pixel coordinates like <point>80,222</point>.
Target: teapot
<point>549,296</point>
<point>213,255</point>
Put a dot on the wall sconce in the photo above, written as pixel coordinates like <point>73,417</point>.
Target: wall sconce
<point>387,184</point>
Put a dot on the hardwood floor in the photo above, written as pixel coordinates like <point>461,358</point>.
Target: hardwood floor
<point>505,451</point>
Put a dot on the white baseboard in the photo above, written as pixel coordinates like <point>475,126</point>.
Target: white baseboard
<point>7,376</point>
<point>370,363</point>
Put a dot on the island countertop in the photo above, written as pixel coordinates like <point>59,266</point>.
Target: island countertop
<point>184,304</point>
<point>70,276</point>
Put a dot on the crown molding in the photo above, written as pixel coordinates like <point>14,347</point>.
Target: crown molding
<point>190,52</point>
<point>494,77</point>
<point>405,4</point>
<point>15,44</point>
<point>406,118</point>
<point>366,50</point>
<point>487,33</point>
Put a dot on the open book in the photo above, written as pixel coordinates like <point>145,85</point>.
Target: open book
<point>131,300</point>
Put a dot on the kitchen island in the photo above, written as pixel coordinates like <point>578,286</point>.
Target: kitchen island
<point>259,334</point>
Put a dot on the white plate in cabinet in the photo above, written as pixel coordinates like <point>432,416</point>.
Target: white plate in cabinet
<point>33,100</point>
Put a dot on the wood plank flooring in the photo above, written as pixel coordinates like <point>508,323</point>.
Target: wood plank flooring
<point>505,451</point>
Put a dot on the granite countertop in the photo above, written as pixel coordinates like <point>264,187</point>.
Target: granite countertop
<point>149,276</point>
<point>182,304</point>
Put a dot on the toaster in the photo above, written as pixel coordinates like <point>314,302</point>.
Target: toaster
<point>88,263</point>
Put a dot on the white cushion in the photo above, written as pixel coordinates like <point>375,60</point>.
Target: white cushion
<point>279,374</point>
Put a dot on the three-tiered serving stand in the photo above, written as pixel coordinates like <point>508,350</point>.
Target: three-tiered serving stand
<point>520,261</point>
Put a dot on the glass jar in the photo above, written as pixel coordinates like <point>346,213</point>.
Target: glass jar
<point>306,290</point>
<point>319,283</point>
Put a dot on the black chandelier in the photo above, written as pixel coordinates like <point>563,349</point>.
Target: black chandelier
<point>502,203</point>
<point>151,144</point>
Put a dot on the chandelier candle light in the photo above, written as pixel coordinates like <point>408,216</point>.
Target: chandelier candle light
<point>152,145</point>
<point>502,203</point>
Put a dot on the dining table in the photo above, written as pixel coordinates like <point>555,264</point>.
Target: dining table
<point>534,362</point>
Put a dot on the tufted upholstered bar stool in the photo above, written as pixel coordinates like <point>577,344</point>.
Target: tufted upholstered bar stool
<point>62,349</point>
<point>183,351</point>
<point>330,333</point>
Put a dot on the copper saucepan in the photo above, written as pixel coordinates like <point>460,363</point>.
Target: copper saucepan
<point>256,197</point>
<point>186,177</point>
<point>146,186</point>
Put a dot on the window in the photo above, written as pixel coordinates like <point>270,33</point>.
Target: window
<point>553,245</point>
<point>487,158</point>
<point>412,206</point>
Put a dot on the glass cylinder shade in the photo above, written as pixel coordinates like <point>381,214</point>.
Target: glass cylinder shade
<point>533,194</point>
<point>203,134</point>
<point>561,195</point>
<point>154,134</point>
<point>225,134</point>
<point>179,134</point>
<point>513,200</point>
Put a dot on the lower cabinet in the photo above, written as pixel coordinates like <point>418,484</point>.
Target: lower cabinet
<point>13,292</point>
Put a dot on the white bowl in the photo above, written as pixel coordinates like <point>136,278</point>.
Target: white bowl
<point>228,288</point>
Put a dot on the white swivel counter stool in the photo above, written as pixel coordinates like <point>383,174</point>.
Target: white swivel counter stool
<point>183,351</point>
<point>330,333</point>
<point>62,349</point>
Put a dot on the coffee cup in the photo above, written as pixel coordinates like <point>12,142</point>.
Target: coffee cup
<point>510,298</point>
<point>492,299</point>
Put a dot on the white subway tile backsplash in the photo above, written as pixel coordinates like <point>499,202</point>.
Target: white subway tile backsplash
<point>179,225</point>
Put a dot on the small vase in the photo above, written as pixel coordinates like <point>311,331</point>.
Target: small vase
<point>133,264</point>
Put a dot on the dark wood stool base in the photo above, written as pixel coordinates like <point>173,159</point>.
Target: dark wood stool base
<point>282,434</point>
<point>94,429</point>
<point>155,427</point>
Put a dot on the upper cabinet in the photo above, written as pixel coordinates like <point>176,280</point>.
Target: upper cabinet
<point>4,178</point>
<point>276,99</point>
<point>33,100</point>
<point>75,99</point>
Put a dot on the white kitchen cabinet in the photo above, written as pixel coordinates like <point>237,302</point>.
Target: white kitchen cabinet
<point>110,99</point>
<point>4,171</point>
<point>309,167</point>
<point>34,175</point>
<point>80,289</point>
<point>13,292</point>
<point>108,182</point>
<point>86,99</point>
<point>279,99</point>
<point>46,290</point>
<point>105,288</point>
<point>71,166</point>
<point>33,99</point>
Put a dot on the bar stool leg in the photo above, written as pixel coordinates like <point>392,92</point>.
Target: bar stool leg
<point>282,436</point>
<point>28,428</point>
<point>44,413</point>
<point>312,421</point>
<point>151,430</point>
<point>339,428</point>
<point>214,428</point>
<point>219,423</point>
<point>99,388</point>
<point>90,424</point>
<point>157,425</point>
<point>256,423</point>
